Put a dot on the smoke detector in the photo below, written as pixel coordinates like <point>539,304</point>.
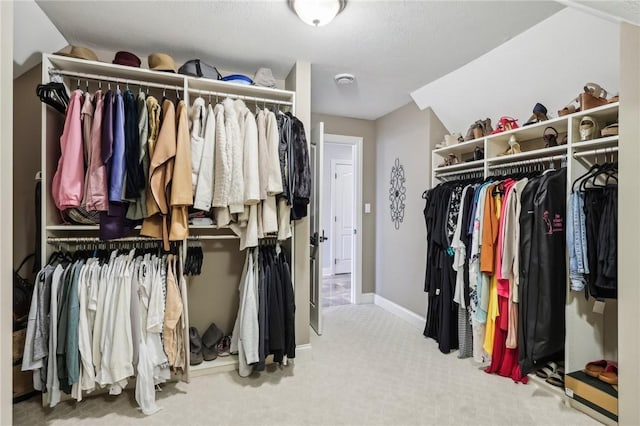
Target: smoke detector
<point>344,78</point>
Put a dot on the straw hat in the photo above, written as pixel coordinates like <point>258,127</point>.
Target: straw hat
<point>80,53</point>
<point>161,62</point>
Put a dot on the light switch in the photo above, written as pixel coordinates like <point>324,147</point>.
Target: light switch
<point>367,207</point>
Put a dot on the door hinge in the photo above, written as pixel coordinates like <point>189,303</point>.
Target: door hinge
<point>335,218</point>
<point>335,261</point>
<point>336,176</point>
<point>355,231</point>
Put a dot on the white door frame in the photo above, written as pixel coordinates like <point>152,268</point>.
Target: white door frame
<point>355,143</point>
<point>332,192</point>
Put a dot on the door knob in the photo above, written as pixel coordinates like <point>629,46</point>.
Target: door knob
<point>322,238</point>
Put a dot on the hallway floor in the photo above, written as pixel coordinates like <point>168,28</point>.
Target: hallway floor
<point>369,368</point>
<point>336,290</point>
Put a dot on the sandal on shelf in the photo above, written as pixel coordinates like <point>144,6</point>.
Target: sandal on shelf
<point>610,130</point>
<point>547,371</point>
<point>569,109</point>
<point>594,368</point>
<point>589,129</point>
<point>557,377</point>
<point>610,374</point>
<point>592,97</point>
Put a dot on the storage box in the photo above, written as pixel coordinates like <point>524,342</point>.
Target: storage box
<point>18,344</point>
<point>593,393</point>
<point>22,382</point>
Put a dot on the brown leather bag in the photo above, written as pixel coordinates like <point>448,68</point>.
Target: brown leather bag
<point>592,97</point>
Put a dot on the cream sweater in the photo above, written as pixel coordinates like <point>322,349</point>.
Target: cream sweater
<point>236,146</point>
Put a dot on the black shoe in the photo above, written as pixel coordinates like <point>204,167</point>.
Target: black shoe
<point>195,346</point>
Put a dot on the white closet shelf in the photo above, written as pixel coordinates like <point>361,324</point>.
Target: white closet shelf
<point>77,227</point>
<point>544,152</point>
<point>462,147</point>
<point>218,365</point>
<point>115,71</point>
<point>124,73</point>
<point>541,383</point>
<point>532,131</point>
<point>607,111</point>
<point>459,166</point>
<point>605,142</point>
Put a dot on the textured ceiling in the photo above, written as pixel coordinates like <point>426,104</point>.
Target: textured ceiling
<point>393,47</point>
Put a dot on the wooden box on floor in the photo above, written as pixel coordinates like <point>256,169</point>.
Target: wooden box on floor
<point>592,393</point>
<point>22,382</point>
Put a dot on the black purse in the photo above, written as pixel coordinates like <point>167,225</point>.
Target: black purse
<point>22,292</point>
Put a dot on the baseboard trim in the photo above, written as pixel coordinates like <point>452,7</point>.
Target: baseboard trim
<point>400,311</point>
<point>303,352</point>
<point>366,299</point>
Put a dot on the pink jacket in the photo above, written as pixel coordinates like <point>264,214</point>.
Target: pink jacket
<point>68,180</point>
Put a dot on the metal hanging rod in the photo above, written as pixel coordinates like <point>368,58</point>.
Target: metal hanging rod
<point>97,77</point>
<point>460,172</point>
<point>527,162</point>
<point>242,97</point>
<point>597,151</point>
<point>80,240</point>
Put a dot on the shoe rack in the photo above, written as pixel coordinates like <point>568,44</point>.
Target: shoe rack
<point>590,335</point>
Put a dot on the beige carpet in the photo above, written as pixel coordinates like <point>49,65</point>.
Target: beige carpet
<point>368,368</point>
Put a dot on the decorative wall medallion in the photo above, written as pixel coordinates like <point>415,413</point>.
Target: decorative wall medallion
<point>397,193</point>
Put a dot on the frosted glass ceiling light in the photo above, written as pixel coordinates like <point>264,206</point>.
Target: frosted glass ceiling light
<point>317,12</point>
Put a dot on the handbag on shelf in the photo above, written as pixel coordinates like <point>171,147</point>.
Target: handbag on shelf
<point>550,136</point>
<point>22,291</point>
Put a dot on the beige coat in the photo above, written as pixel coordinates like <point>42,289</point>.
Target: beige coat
<point>181,190</point>
<point>160,176</point>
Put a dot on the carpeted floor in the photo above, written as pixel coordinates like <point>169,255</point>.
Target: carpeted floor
<point>369,368</point>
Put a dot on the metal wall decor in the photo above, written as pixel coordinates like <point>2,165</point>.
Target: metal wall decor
<point>397,193</point>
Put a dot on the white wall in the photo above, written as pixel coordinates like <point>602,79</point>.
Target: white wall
<point>331,152</point>
<point>407,134</point>
<point>6,213</point>
<point>549,63</point>
<point>629,233</point>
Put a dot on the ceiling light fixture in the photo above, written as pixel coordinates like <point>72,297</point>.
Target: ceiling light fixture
<point>317,12</point>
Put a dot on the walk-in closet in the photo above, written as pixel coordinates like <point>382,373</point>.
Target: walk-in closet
<point>324,212</point>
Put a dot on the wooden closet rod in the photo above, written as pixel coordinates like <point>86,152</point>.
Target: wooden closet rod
<point>97,77</point>
<point>242,97</point>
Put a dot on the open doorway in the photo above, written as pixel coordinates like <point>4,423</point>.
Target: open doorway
<point>336,163</point>
<point>338,223</point>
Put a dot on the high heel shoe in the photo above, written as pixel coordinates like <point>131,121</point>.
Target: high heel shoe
<point>539,114</point>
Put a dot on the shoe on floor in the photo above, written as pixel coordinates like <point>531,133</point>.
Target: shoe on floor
<point>195,347</point>
<point>210,340</point>
<point>224,347</point>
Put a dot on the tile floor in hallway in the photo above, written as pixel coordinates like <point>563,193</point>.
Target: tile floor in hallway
<point>336,290</point>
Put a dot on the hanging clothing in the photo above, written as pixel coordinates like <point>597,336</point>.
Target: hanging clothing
<point>204,184</point>
<point>96,180</point>
<point>160,176</point>
<point>181,190</point>
<point>138,206</point>
<point>68,179</point>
